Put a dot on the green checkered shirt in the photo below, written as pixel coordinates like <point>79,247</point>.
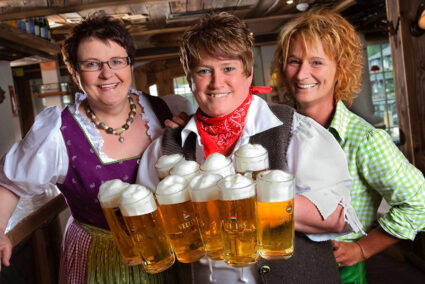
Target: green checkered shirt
<point>379,169</point>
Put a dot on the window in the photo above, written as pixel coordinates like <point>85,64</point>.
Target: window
<point>382,84</point>
<point>153,91</point>
<point>181,87</point>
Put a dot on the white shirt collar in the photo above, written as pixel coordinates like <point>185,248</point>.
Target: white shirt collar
<point>259,119</point>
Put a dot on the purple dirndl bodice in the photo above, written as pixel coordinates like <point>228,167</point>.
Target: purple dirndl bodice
<point>86,173</point>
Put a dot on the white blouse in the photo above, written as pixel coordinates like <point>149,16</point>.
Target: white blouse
<point>314,157</point>
<point>41,157</point>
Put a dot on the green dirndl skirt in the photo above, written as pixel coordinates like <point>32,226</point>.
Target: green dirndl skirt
<point>105,264</point>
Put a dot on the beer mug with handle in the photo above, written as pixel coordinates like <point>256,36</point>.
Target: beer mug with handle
<point>180,219</point>
<point>146,228</point>
<point>238,220</point>
<point>109,198</point>
<point>275,204</point>
<point>204,194</point>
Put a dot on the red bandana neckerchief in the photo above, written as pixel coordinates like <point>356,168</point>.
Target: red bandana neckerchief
<point>219,133</point>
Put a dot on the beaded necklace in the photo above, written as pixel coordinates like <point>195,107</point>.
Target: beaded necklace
<point>110,130</point>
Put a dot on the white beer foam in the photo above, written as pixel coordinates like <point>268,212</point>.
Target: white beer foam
<point>235,187</point>
<point>137,200</point>
<point>166,162</point>
<point>218,164</point>
<point>275,186</point>
<point>251,150</point>
<point>203,187</point>
<point>110,193</point>
<point>186,169</point>
<point>251,157</point>
<point>172,190</point>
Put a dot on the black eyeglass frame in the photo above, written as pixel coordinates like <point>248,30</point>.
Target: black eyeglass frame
<point>101,63</point>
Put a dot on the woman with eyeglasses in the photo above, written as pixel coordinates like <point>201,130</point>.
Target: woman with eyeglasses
<point>99,138</point>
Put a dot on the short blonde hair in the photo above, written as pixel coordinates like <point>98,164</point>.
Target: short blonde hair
<point>220,35</point>
<point>340,42</point>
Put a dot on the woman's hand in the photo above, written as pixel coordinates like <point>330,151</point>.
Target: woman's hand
<point>347,254</point>
<point>5,250</point>
<point>179,120</point>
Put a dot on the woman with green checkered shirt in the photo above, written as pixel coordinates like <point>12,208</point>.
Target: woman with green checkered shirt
<point>319,63</point>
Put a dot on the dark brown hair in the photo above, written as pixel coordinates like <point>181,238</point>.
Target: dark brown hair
<point>221,35</point>
<point>97,26</point>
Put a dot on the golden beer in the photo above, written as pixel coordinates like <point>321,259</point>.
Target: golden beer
<point>146,228</point>
<point>121,236</point>
<point>237,208</point>
<point>151,241</point>
<point>203,191</point>
<point>251,159</point>
<point>275,204</point>
<point>276,229</point>
<point>209,225</point>
<point>109,196</point>
<point>179,218</point>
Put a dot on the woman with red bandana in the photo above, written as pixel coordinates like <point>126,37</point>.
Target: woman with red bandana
<point>217,55</point>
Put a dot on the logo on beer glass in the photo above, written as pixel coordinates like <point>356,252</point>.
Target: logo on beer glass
<point>275,202</point>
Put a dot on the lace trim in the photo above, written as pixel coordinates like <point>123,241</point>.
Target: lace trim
<point>147,113</point>
<point>93,133</point>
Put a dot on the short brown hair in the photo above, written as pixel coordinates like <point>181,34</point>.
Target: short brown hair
<point>221,35</point>
<point>340,42</point>
<point>97,26</point>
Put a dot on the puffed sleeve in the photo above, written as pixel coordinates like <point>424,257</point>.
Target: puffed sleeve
<point>37,160</point>
<point>146,174</point>
<point>402,185</point>
<point>321,171</point>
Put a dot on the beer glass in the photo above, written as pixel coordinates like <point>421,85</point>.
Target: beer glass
<point>186,169</point>
<point>238,220</point>
<point>109,197</point>
<point>203,191</point>
<point>275,204</point>
<point>146,228</point>
<point>251,159</point>
<point>165,163</point>
<point>179,218</point>
<point>217,163</point>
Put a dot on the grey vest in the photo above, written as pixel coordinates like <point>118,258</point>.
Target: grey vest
<point>312,262</point>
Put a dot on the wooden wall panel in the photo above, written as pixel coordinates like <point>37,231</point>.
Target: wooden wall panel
<point>408,54</point>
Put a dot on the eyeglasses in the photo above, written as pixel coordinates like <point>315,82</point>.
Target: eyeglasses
<point>115,63</point>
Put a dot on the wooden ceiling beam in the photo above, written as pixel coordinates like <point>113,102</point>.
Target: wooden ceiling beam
<point>28,41</point>
<point>41,12</point>
<point>343,5</point>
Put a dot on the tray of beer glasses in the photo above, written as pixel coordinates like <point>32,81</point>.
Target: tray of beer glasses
<point>227,210</point>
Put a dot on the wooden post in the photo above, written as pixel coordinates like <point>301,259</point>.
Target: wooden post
<point>408,53</point>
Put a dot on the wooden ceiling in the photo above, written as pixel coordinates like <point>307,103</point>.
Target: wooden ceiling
<point>157,25</point>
